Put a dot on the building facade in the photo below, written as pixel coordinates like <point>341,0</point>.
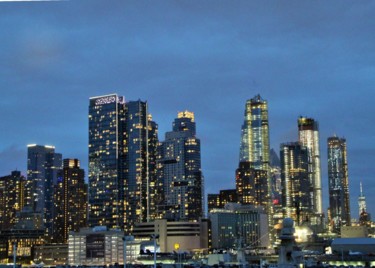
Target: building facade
<point>297,199</point>
<point>12,198</point>
<point>308,133</point>
<point>43,166</point>
<point>338,183</point>
<point>107,161</point>
<point>251,185</point>
<point>70,201</point>
<point>247,225</point>
<point>180,175</point>
<point>140,167</point>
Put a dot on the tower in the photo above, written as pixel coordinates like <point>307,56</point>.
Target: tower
<point>70,200</point>
<point>308,132</point>
<point>180,173</point>
<point>255,148</point>
<point>106,160</point>
<point>296,185</point>
<point>140,164</point>
<point>361,200</point>
<point>255,142</point>
<point>12,198</point>
<point>338,183</point>
<point>43,166</point>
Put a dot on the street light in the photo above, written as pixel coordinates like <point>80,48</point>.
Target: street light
<point>154,236</point>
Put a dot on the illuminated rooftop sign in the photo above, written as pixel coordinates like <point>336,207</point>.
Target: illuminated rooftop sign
<point>109,99</point>
<point>105,100</point>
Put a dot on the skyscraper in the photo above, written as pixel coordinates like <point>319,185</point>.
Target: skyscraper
<point>70,201</point>
<point>107,151</point>
<point>251,185</point>
<point>12,198</point>
<point>361,200</point>
<point>255,142</point>
<point>43,166</point>
<point>308,132</point>
<point>296,185</point>
<point>255,150</point>
<point>140,167</point>
<point>338,183</point>
<point>180,172</point>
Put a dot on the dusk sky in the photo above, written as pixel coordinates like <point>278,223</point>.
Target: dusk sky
<point>310,58</point>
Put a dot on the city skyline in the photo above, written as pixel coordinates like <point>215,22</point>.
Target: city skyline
<point>205,59</point>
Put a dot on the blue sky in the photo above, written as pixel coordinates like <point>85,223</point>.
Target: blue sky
<point>310,58</point>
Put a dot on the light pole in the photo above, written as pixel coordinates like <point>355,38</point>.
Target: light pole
<point>154,236</point>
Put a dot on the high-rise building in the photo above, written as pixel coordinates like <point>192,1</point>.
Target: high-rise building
<point>308,132</point>
<point>255,144</point>
<point>255,150</point>
<point>140,167</point>
<point>364,216</point>
<point>107,149</point>
<point>43,166</point>
<point>70,201</point>
<point>338,183</point>
<point>180,173</point>
<point>296,185</point>
<point>251,185</point>
<point>12,198</point>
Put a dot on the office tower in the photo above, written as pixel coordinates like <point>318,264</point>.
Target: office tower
<point>107,161</point>
<point>296,185</point>
<point>141,141</point>
<point>43,165</point>
<point>12,198</point>
<point>181,175</point>
<point>255,134</point>
<point>239,225</point>
<point>70,201</point>
<point>308,133</point>
<point>338,183</point>
<point>251,185</point>
<point>213,201</point>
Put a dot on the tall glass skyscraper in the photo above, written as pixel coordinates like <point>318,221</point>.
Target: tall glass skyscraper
<point>43,166</point>
<point>107,160</point>
<point>140,167</point>
<point>338,183</point>
<point>296,185</point>
<point>255,142</point>
<point>308,131</point>
<point>180,176</point>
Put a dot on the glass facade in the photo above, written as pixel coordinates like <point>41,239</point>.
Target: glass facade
<point>296,187</point>
<point>140,168</point>
<point>255,134</point>
<point>43,166</point>
<point>338,183</point>
<point>180,172</point>
<point>106,161</point>
<point>308,132</point>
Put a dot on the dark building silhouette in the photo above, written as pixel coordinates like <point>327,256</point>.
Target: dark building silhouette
<point>338,183</point>
<point>70,201</point>
<point>180,176</point>
<point>43,166</point>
